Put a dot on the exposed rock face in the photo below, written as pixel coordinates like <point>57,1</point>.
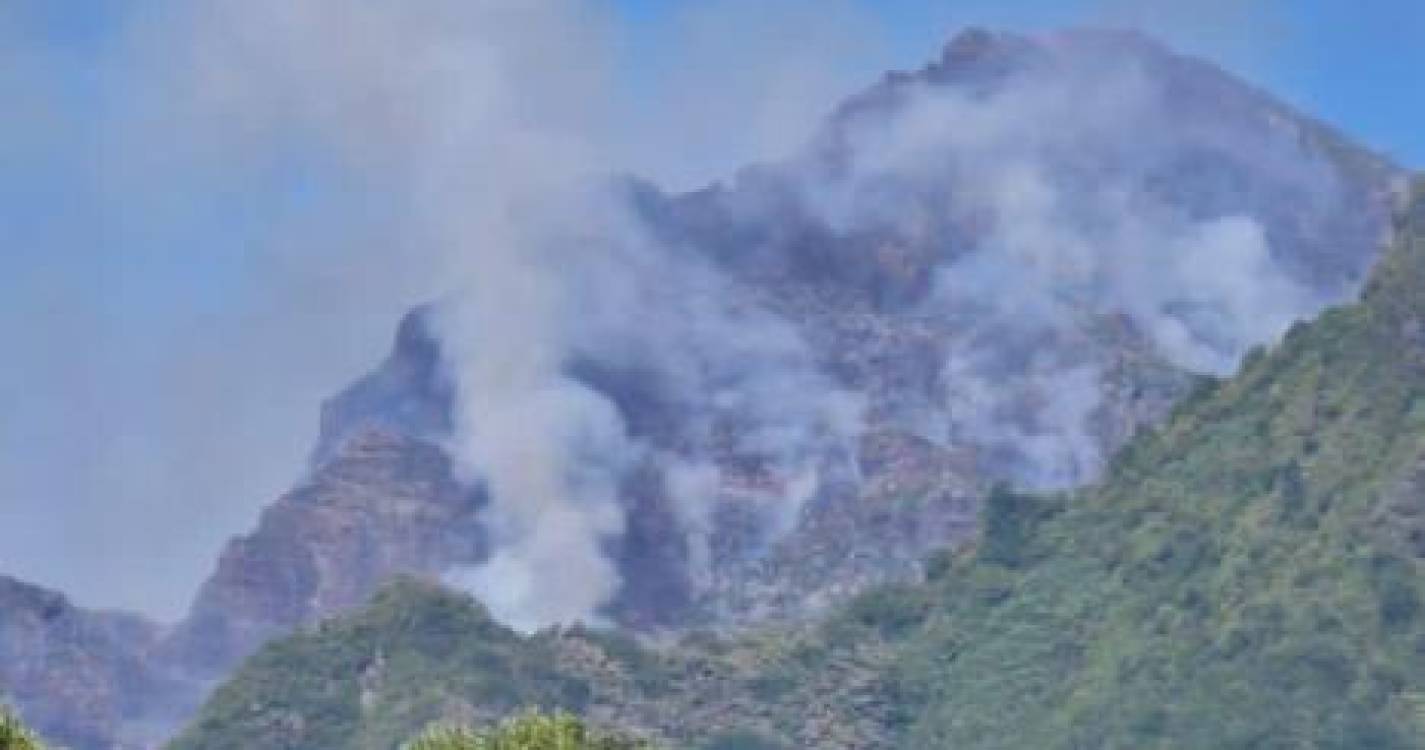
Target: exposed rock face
<point>1252,570</point>
<point>406,395</point>
<point>864,259</point>
<point>83,677</point>
<point>976,284</point>
<point>382,504</point>
<point>897,246</point>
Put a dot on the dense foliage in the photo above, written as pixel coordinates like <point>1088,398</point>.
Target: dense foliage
<point>531,731</point>
<point>1248,576</point>
<point>372,680</point>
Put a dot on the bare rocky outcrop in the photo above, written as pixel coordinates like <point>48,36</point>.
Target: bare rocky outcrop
<point>85,678</point>
<point>962,388</point>
<point>382,505</point>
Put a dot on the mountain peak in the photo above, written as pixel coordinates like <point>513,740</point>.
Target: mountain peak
<point>969,45</point>
<point>1010,257</point>
<point>977,51</point>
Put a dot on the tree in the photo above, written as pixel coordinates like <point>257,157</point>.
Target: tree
<point>532,731</point>
<point>14,735</point>
<point>1010,519</point>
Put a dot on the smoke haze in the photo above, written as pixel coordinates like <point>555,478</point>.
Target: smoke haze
<point>1041,235</point>
<point>219,210</point>
<point>250,194</point>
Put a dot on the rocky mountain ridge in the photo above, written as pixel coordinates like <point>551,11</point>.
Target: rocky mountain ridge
<point>85,676</point>
<point>968,275</point>
<point>1248,574</point>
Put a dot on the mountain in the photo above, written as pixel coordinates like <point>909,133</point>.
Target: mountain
<point>83,676</point>
<point>420,653</point>
<point>1249,574</point>
<point>383,503</point>
<point>999,268</point>
<point>975,354</point>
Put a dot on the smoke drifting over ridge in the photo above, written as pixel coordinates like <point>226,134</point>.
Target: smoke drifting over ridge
<point>1059,181</point>
<point>1071,210</point>
<point>462,110</point>
<point>454,150</point>
<point>1009,169</point>
<point>552,451</point>
<point>235,201</point>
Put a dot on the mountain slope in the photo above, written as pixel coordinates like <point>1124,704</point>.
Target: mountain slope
<point>82,677</point>
<point>967,375</point>
<point>1249,575</point>
<point>419,654</point>
<point>998,257</point>
<point>383,504</point>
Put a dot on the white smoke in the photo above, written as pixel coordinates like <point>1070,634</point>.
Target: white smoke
<point>237,199</point>
<point>487,124</point>
<point>555,279</point>
<point>483,118</point>
<point>1063,223</point>
<point>552,451</point>
<point>300,173</point>
<point>549,451</point>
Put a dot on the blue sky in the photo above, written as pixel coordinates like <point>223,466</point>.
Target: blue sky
<point>172,318</point>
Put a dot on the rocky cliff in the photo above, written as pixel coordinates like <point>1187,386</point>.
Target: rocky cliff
<point>382,504</point>
<point>895,247</point>
<point>1013,258</point>
<point>87,679</point>
<point>1249,574</point>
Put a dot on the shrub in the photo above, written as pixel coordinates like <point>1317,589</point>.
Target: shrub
<point>532,731</point>
<point>14,735</point>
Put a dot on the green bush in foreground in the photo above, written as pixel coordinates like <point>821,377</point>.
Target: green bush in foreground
<point>14,735</point>
<point>529,732</point>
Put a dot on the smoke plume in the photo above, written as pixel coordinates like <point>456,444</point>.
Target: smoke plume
<point>248,194</point>
<point>215,211</point>
<point>1047,217</point>
<point>552,450</point>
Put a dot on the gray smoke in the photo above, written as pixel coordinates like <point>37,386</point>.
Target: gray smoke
<point>1063,222</point>
<point>552,451</point>
<point>215,211</point>
<point>473,114</point>
<point>1061,227</point>
<point>486,121</point>
<point>254,191</point>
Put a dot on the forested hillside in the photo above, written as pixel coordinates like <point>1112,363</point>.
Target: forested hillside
<point>1249,575</point>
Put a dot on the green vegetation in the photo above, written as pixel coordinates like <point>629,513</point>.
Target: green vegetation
<point>531,731</point>
<point>1250,575</point>
<point>420,655</point>
<point>372,680</point>
<point>14,735</point>
<point>1245,577</point>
